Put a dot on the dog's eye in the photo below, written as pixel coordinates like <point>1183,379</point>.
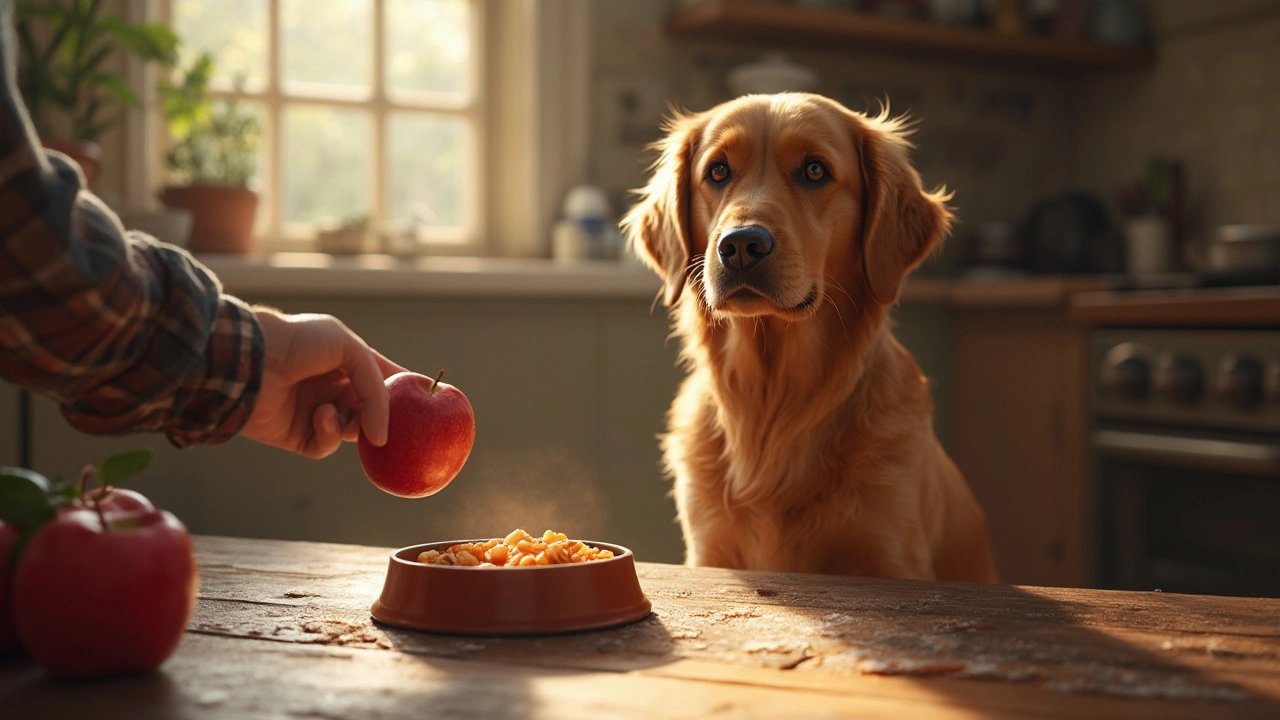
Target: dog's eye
<point>815,171</point>
<point>718,172</point>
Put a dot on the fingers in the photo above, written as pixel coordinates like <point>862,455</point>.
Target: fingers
<point>326,436</point>
<point>366,377</point>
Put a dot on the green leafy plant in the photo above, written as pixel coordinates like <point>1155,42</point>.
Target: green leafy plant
<point>64,49</point>
<point>212,143</point>
<point>29,500</point>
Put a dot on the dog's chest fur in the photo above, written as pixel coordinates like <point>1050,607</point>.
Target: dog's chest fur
<point>760,430</point>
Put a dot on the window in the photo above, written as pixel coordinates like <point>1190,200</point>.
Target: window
<point>370,108</point>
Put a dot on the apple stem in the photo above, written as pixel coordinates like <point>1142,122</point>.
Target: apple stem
<point>435,382</point>
<point>97,507</point>
<point>85,472</point>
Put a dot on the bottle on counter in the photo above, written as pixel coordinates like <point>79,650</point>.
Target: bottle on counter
<point>585,230</point>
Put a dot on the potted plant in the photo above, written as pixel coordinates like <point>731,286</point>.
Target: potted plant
<point>212,158</point>
<point>64,48</point>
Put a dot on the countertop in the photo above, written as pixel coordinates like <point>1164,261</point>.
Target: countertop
<point>1249,306</point>
<point>443,276</point>
<point>1085,298</point>
<point>429,276</point>
<point>282,629</point>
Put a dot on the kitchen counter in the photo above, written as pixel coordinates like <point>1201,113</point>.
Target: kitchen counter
<point>1251,306</point>
<point>282,629</point>
<point>1025,292</point>
<point>321,274</point>
<point>374,275</point>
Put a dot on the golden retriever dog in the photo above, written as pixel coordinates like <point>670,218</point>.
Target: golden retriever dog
<point>802,438</point>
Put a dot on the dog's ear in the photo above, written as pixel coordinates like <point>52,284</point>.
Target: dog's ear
<point>658,226</point>
<point>901,223</point>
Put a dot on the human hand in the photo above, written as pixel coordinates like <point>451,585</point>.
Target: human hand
<point>321,384</point>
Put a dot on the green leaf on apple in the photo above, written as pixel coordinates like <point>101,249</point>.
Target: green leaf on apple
<point>24,497</point>
<point>118,468</point>
<point>24,537</point>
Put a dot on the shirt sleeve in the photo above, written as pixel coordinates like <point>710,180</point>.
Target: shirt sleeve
<point>126,333</point>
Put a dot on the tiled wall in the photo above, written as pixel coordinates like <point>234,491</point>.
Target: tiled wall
<point>1212,100</point>
<point>999,139</point>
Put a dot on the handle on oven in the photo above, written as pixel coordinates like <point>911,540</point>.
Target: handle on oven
<point>1203,453</point>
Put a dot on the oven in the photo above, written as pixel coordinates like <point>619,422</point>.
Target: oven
<point>1186,448</point>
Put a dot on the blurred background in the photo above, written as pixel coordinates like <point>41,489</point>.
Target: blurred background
<point>1102,329</point>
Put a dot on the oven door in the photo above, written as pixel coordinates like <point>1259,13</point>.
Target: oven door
<point>1188,513</point>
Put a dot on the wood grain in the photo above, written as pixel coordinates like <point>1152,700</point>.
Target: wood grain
<point>283,630</point>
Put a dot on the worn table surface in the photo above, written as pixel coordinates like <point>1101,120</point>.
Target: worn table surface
<point>283,630</point>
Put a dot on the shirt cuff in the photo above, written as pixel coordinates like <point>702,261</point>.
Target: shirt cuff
<point>214,409</point>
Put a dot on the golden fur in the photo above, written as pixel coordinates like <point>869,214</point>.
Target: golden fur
<point>801,440</point>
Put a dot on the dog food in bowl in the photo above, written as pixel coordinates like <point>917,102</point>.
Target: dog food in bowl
<point>597,590</point>
<point>519,549</point>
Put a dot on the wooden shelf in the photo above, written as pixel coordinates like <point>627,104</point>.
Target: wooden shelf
<point>860,32</point>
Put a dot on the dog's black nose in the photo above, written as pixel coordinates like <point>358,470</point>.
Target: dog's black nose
<point>744,247</point>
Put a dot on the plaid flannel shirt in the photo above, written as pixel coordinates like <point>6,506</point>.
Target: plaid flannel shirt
<point>127,334</point>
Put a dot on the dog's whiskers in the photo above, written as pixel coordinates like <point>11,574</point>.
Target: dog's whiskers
<point>840,287</point>
<point>835,307</point>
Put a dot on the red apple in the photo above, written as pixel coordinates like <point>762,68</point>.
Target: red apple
<point>429,437</point>
<point>93,599</point>
<point>8,636</point>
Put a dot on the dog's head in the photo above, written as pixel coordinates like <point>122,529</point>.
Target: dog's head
<point>767,201</point>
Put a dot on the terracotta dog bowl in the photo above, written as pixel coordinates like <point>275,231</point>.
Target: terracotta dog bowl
<point>534,600</point>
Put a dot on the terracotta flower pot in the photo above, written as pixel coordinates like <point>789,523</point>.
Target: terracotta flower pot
<point>87,155</point>
<point>221,217</point>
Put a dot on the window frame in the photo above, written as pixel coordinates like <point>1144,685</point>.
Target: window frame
<point>532,94</point>
<point>274,233</point>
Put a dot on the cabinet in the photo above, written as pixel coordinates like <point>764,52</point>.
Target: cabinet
<point>1018,433</point>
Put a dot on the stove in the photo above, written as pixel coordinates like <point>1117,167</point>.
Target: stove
<point>1186,446</point>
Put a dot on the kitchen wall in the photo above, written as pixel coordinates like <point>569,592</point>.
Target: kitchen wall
<point>1000,139</point>
<point>1212,100</point>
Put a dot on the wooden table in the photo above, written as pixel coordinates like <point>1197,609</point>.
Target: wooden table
<point>283,630</point>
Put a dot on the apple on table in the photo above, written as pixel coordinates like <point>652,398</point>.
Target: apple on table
<point>92,583</point>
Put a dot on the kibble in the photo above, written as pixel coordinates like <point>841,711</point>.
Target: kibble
<point>519,549</point>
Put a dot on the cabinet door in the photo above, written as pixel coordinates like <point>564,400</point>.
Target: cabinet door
<point>1018,435</point>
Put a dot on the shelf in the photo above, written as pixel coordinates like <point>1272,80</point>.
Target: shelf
<point>853,31</point>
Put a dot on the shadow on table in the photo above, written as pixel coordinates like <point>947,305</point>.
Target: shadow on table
<point>27,692</point>
<point>1058,639</point>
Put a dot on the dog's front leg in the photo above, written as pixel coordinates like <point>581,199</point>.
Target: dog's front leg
<point>709,541</point>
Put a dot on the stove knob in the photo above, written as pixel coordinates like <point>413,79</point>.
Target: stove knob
<point>1240,380</point>
<point>1179,378</point>
<point>1126,371</point>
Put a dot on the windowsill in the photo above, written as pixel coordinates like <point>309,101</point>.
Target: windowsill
<point>386,276</point>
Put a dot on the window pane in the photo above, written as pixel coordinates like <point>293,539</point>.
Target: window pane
<point>326,46</point>
<point>233,31</point>
<point>428,176</point>
<point>428,45</point>
<point>326,163</point>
